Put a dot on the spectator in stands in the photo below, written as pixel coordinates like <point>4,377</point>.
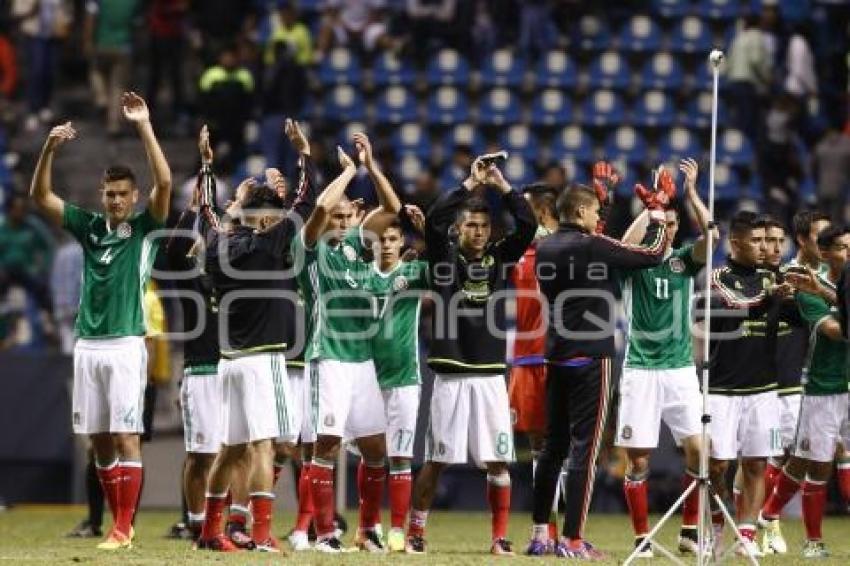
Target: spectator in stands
<point>65,278</point>
<point>167,26</point>
<point>537,33</point>
<point>748,72</point>
<point>554,175</point>
<point>831,168</point>
<point>44,24</point>
<point>226,96</point>
<point>343,23</point>
<point>461,162</point>
<point>425,190</point>
<point>779,163</point>
<point>26,250</point>
<point>434,23</point>
<point>801,81</point>
<point>484,31</point>
<point>108,41</point>
<point>221,23</point>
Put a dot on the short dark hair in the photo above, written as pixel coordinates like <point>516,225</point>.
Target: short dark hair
<point>575,196</point>
<point>828,235</point>
<point>542,196</point>
<point>768,221</point>
<point>395,223</point>
<point>118,173</point>
<point>474,205</point>
<point>261,196</point>
<point>801,225</point>
<point>743,222</point>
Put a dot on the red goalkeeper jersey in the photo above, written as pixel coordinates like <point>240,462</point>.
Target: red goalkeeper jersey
<point>530,341</point>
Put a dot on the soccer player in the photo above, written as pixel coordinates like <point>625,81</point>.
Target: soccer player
<point>110,358</point>
<point>659,379</point>
<point>824,407</point>
<point>470,410</point>
<point>576,273</point>
<point>347,401</point>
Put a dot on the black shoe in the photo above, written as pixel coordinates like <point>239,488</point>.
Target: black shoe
<point>85,530</point>
<point>646,552</point>
<point>238,535</point>
<point>180,531</point>
<point>340,528</point>
<point>415,545</point>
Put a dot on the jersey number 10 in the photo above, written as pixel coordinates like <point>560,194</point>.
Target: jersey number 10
<point>662,288</point>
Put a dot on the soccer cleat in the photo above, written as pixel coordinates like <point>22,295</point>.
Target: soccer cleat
<point>268,545</point>
<point>749,548</point>
<point>502,547</point>
<point>370,541</point>
<point>815,549</point>
<point>239,536</point>
<point>646,551</point>
<point>538,547</point>
<point>415,545</point>
<point>85,530</point>
<point>219,543</point>
<point>580,549</point>
<point>395,540</point>
<point>330,545</point>
<point>689,542</point>
<point>298,541</point>
<point>772,541</point>
<point>115,540</point>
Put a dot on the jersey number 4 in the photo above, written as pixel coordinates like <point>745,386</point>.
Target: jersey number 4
<point>108,256</point>
<point>662,288</point>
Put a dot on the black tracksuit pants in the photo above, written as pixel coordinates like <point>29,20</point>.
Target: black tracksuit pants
<point>577,407</point>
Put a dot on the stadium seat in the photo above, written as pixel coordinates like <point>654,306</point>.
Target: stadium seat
<point>671,8</point>
<point>572,142</point>
<point>654,110</point>
<point>603,108</point>
<point>591,34</point>
<point>519,140</point>
<point>640,34</point>
<point>390,69</point>
<point>727,186</point>
<point>518,171</point>
<point>551,108</point>
<point>345,136</point>
<point>677,144</point>
<point>451,177</point>
<point>413,139</point>
<point>556,70</point>
<point>463,134</point>
<point>409,168</point>
<point>703,79</point>
<point>499,107</point>
<point>447,106</point>
<point>340,67</point>
<point>733,148</point>
<point>625,189</point>
<point>626,144</point>
<point>662,72</point>
<point>448,67</point>
<point>344,103</point>
<point>698,111</point>
<point>396,105</point>
<point>691,35</point>
<point>609,70</point>
<point>720,9</point>
<point>503,68</point>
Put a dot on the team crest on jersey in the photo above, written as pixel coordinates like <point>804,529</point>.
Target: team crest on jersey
<point>677,265</point>
<point>349,252</point>
<point>329,420</point>
<point>626,433</point>
<point>487,261</point>
<point>124,231</point>
<point>400,283</point>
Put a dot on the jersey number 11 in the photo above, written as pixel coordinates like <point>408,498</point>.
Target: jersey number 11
<point>662,288</point>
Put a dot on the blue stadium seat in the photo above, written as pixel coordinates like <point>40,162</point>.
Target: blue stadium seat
<point>609,70</point>
<point>703,79</point>
<point>720,9</point>
<point>463,134</point>
<point>519,140</point>
<point>727,185</point>
<point>551,108</point>
<point>627,144</point>
<point>691,35</point>
<point>556,70</point>
<point>392,70</point>
<point>498,107</point>
<point>677,144</point>
<point>412,138</point>
<point>409,167</point>
<point>733,148</point>
<point>447,106</point>
<point>448,67</point>
<point>698,111</point>
<point>591,33</point>
<point>671,8</point>
<point>572,142</point>
<point>345,136</point>
<point>340,67</point>
<point>451,177</point>
<point>344,103</point>
<point>662,72</point>
<point>640,34</point>
<point>518,171</point>
<point>654,110</point>
<point>628,177</point>
<point>503,68</point>
<point>396,105</point>
<point>603,108</point>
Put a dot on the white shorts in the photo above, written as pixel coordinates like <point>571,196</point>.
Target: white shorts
<point>256,398</point>
<point>744,425</point>
<point>202,409</point>
<point>823,422</point>
<point>347,401</point>
<point>110,375</point>
<point>648,396</point>
<point>789,413</point>
<point>401,405</point>
<point>299,407</point>
<point>470,413</point>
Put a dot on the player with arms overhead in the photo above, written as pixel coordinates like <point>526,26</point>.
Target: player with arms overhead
<point>110,360</point>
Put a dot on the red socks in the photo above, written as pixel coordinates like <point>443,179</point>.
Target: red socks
<point>771,473</point>
<point>322,490</point>
<point>214,513</point>
<point>499,497</point>
<point>370,482</point>
<point>400,487</point>
<point>110,481</point>
<point>418,521</point>
<point>305,500</point>
<point>814,500</point>
<point>786,487</point>
<point>237,513</point>
<point>844,480</point>
<point>690,507</point>
<point>636,498</point>
<point>261,509</point>
<point>128,494</point>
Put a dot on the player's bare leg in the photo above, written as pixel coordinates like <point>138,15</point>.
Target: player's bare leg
<point>371,477</point>
<point>717,475</point>
<point>195,474</point>
<point>424,489</point>
<point>499,498</point>
<point>752,494</point>
<point>262,497</point>
<point>221,473</point>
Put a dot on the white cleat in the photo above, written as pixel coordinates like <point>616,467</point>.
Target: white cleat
<point>815,549</point>
<point>299,542</point>
<point>748,548</point>
<point>329,546</point>
<point>772,541</point>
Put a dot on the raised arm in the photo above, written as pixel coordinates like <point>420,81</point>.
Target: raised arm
<point>136,111</point>
<point>698,211</point>
<point>41,187</point>
<point>514,244</point>
<point>302,200</point>
<point>648,253</point>
<point>329,198</point>
<point>440,218</point>
<point>388,203</point>
<point>637,229</point>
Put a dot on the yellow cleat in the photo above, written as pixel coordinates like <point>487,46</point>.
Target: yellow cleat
<point>115,541</point>
<point>396,541</point>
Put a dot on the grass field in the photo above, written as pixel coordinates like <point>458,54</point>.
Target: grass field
<point>35,535</point>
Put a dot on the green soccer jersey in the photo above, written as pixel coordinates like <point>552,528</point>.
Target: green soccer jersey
<point>116,266</point>
<point>658,305</point>
<point>827,367</point>
<point>340,320</point>
<point>397,299</point>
